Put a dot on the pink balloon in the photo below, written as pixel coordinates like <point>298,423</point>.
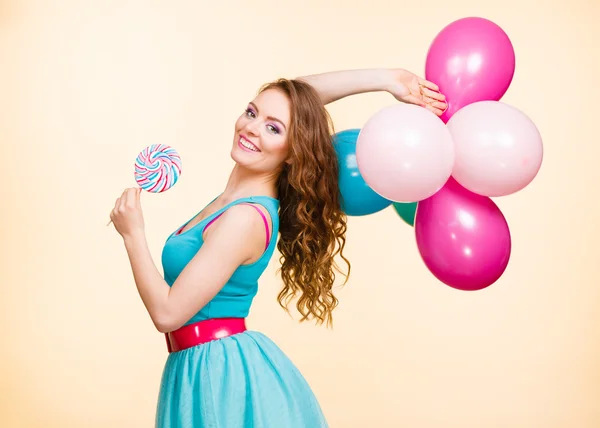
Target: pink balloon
<point>498,148</point>
<point>463,238</point>
<point>405,153</point>
<point>471,60</point>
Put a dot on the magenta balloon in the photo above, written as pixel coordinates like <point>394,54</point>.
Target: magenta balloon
<point>471,60</point>
<point>462,237</point>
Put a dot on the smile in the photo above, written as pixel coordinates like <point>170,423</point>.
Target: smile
<point>247,145</point>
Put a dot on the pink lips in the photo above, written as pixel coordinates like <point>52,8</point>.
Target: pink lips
<point>245,148</point>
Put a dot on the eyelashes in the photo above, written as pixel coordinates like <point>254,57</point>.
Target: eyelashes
<point>272,128</point>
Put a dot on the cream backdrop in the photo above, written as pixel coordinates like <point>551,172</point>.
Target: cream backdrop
<point>85,85</point>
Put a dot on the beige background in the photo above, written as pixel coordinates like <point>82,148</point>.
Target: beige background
<point>85,85</point>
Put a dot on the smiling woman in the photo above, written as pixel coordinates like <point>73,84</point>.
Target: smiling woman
<point>262,131</point>
<point>284,182</point>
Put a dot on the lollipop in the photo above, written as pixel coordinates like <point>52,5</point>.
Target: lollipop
<point>157,168</point>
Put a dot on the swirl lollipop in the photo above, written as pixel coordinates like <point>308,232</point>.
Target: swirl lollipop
<point>157,168</point>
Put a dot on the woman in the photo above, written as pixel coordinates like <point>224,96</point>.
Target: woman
<point>218,374</point>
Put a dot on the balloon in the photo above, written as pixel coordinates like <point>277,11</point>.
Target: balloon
<point>406,211</point>
<point>357,197</point>
<point>405,153</point>
<point>498,148</point>
<point>471,60</point>
<point>462,237</point>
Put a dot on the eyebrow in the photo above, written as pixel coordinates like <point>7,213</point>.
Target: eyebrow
<point>268,117</point>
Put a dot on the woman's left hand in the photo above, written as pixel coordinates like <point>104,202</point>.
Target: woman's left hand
<point>127,214</point>
<point>409,88</point>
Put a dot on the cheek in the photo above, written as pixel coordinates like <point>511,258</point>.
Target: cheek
<point>275,147</point>
<point>241,122</point>
<point>280,147</point>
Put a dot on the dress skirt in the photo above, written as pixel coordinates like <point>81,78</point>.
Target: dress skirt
<point>239,381</point>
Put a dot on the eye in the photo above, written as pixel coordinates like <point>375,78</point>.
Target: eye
<point>273,129</point>
<point>250,113</point>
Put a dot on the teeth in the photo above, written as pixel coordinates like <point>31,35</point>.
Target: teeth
<point>248,145</point>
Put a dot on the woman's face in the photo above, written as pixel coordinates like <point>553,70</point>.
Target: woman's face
<point>261,132</point>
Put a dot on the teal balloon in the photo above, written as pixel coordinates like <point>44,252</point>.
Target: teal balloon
<point>358,198</point>
<point>406,211</point>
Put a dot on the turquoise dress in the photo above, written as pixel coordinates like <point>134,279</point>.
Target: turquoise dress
<point>240,381</point>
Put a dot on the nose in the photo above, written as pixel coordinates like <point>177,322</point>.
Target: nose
<point>252,127</point>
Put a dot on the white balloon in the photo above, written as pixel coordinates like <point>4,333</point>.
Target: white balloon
<point>405,153</point>
<point>498,149</point>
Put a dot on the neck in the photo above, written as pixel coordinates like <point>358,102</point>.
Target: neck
<point>244,183</point>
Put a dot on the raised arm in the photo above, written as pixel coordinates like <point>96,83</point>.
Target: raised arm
<point>336,85</point>
<point>404,85</point>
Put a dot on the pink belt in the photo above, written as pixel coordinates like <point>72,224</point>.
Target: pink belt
<point>203,331</point>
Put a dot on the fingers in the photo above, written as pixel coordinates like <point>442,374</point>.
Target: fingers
<point>436,110</point>
<point>429,85</point>
<point>415,100</point>
<point>438,105</point>
<point>128,199</point>
<point>433,94</point>
<point>435,104</point>
<point>434,101</point>
<point>133,197</point>
<point>123,201</point>
<point>113,212</point>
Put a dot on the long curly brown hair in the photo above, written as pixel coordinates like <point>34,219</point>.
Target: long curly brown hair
<point>312,223</point>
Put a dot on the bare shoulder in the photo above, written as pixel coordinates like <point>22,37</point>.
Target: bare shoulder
<point>240,218</point>
<point>243,227</point>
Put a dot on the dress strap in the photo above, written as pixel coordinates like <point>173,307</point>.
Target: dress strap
<point>265,221</point>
